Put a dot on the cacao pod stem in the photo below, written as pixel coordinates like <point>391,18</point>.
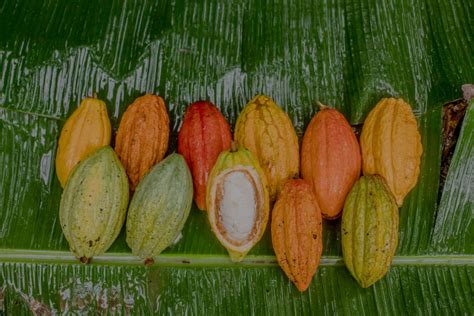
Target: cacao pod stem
<point>149,261</point>
<point>321,106</point>
<point>233,147</point>
<point>85,260</point>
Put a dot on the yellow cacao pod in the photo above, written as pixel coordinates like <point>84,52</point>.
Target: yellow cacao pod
<point>391,146</point>
<point>266,130</point>
<point>85,131</point>
<point>142,137</point>
<point>237,201</point>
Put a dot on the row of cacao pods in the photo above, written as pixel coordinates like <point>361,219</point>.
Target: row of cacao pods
<point>238,185</point>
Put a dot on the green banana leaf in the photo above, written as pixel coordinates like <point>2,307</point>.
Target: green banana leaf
<point>345,53</point>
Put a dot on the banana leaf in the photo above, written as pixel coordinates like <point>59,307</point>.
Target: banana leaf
<point>345,53</point>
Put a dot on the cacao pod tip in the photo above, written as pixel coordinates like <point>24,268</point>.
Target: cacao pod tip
<point>85,260</point>
<point>149,261</point>
<point>236,256</point>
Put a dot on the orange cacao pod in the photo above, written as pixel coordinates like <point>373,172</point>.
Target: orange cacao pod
<point>330,160</point>
<point>266,130</point>
<point>391,146</point>
<point>142,137</point>
<point>297,232</point>
<point>204,134</point>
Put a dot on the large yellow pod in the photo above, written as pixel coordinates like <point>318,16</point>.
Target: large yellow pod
<point>266,130</point>
<point>86,130</point>
<point>391,146</point>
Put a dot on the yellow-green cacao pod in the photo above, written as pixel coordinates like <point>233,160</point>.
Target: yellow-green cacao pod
<point>369,229</point>
<point>238,202</point>
<point>94,204</point>
<point>266,130</point>
<point>159,207</point>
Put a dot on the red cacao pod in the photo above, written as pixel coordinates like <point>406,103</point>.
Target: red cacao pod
<point>330,160</point>
<point>204,134</point>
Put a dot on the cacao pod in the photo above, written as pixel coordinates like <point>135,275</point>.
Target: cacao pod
<point>297,232</point>
<point>159,207</point>
<point>330,160</point>
<point>391,146</point>
<point>237,201</point>
<point>266,130</point>
<point>85,131</point>
<point>94,203</point>
<point>204,134</point>
<point>369,229</point>
<point>142,137</point>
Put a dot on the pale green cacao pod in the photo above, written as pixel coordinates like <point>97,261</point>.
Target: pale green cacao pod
<point>369,229</point>
<point>159,207</point>
<point>94,204</point>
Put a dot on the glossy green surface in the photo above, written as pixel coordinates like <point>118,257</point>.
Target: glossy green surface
<point>343,53</point>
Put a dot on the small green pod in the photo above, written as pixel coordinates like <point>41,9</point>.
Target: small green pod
<point>159,207</point>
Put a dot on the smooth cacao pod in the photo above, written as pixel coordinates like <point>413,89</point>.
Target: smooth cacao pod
<point>94,203</point>
<point>297,232</point>
<point>237,201</point>
<point>159,208</point>
<point>391,146</point>
<point>369,230</point>
<point>204,134</point>
<point>330,160</point>
<point>142,137</point>
<point>266,130</point>
<point>85,131</point>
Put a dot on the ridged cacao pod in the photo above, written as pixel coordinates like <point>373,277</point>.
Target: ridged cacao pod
<point>391,146</point>
<point>266,130</point>
<point>159,207</point>
<point>330,160</point>
<point>85,131</point>
<point>237,201</point>
<point>297,232</point>
<point>369,229</point>
<point>204,134</point>
<point>142,137</point>
<point>94,204</point>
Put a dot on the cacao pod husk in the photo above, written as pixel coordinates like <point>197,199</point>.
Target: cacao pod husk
<point>142,137</point>
<point>237,201</point>
<point>369,230</point>
<point>391,146</point>
<point>159,208</point>
<point>297,232</point>
<point>94,203</point>
<point>266,130</point>
<point>330,160</point>
<point>85,131</point>
<point>204,134</point>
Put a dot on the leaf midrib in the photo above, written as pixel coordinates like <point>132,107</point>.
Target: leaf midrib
<point>18,255</point>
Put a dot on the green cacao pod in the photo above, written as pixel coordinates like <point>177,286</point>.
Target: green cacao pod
<point>238,203</point>
<point>94,204</point>
<point>159,207</point>
<point>369,229</point>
